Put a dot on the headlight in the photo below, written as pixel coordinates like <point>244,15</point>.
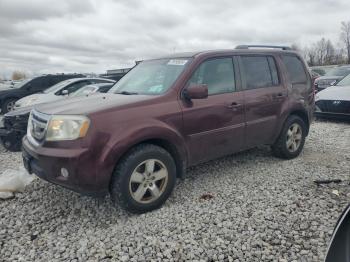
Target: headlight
<point>333,82</point>
<point>67,127</point>
<point>2,122</point>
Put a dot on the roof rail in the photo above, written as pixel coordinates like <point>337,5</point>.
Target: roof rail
<point>263,46</point>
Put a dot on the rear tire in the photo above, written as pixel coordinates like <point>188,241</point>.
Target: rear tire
<point>291,140</point>
<point>144,179</point>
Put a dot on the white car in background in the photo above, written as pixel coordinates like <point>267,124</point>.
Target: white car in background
<point>59,91</point>
<point>334,101</point>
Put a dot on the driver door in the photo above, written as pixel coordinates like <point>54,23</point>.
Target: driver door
<point>214,126</point>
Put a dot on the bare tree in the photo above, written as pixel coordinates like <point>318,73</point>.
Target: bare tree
<point>345,37</point>
<point>18,75</point>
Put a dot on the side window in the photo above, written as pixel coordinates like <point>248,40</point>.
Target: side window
<point>217,74</point>
<point>259,71</point>
<point>295,69</point>
<point>76,86</point>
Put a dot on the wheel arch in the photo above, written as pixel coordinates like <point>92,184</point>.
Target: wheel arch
<point>304,116</point>
<point>169,141</point>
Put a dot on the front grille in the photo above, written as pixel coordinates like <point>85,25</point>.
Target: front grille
<point>38,125</point>
<point>334,106</point>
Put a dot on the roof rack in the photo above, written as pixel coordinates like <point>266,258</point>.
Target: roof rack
<point>263,46</point>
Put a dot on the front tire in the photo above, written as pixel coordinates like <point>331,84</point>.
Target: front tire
<point>144,179</point>
<point>8,105</point>
<point>291,140</point>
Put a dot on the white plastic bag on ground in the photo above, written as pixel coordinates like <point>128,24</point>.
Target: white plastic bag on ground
<point>14,181</point>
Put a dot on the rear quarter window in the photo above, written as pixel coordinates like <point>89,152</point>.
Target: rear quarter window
<point>295,69</point>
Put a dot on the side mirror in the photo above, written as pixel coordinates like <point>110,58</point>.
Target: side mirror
<point>196,92</point>
<point>64,92</point>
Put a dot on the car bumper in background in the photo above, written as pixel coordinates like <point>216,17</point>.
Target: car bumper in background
<point>329,115</point>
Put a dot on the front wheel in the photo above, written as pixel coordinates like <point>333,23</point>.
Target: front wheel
<point>291,140</point>
<point>8,105</point>
<point>144,179</point>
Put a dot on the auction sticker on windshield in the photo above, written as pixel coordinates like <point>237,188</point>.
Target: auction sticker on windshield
<point>179,62</point>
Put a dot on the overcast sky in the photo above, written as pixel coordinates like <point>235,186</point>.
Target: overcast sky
<point>49,36</point>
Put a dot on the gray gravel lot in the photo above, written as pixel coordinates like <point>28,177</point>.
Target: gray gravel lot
<point>263,209</point>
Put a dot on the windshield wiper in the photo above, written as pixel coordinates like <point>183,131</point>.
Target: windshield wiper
<point>127,93</point>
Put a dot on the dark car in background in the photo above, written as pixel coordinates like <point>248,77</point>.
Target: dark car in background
<point>334,102</point>
<point>8,97</point>
<point>168,114</point>
<point>332,77</point>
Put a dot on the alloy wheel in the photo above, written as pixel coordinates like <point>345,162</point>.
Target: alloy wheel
<point>148,181</point>
<point>10,106</point>
<point>294,137</point>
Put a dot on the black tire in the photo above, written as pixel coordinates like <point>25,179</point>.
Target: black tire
<point>280,148</point>
<point>5,105</point>
<point>11,143</point>
<point>120,188</point>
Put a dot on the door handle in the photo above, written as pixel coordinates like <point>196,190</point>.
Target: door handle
<point>279,95</point>
<point>234,106</point>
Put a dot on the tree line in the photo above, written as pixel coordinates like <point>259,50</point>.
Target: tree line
<point>324,52</point>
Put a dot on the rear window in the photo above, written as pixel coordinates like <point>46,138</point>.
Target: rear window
<point>295,69</point>
<point>260,71</point>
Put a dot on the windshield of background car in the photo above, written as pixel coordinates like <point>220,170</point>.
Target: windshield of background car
<point>345,81</point>
<point>340,71</point>
<point>19,85</point>
<point>85,91</point>
<point>151,77</point>
<point>58,86</point>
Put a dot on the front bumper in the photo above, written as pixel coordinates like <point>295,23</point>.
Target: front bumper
<point>81,165</point>
<point>330,115</point>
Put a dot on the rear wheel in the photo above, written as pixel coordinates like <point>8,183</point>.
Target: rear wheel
<point>8,105</point>
<point>144,179</point>
<point>292,138</point>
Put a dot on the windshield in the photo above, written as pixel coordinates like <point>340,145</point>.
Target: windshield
<point>85,91</point>
<point>22,83</point>
<point>151,77</point>
<point>340,71</point>
<point>345,81</point>
<point>58,86</point>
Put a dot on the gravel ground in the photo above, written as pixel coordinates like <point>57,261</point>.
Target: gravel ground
<point>262,209</point>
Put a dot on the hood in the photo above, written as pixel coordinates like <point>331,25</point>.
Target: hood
<point>37,99</point>
<point>334,93</point>
<point>90,104</point>
<point>6,87</point>
<point>19,111</point>
<point>5,91</point>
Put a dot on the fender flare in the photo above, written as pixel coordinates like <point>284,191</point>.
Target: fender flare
<point>151,131</point>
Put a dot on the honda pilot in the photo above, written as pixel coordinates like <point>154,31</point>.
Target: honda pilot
<point>168,114</point>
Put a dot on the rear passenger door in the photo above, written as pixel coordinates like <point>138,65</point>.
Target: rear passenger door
<point>264,98</point>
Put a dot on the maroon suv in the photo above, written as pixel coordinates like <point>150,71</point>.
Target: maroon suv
<point>168,114</point>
